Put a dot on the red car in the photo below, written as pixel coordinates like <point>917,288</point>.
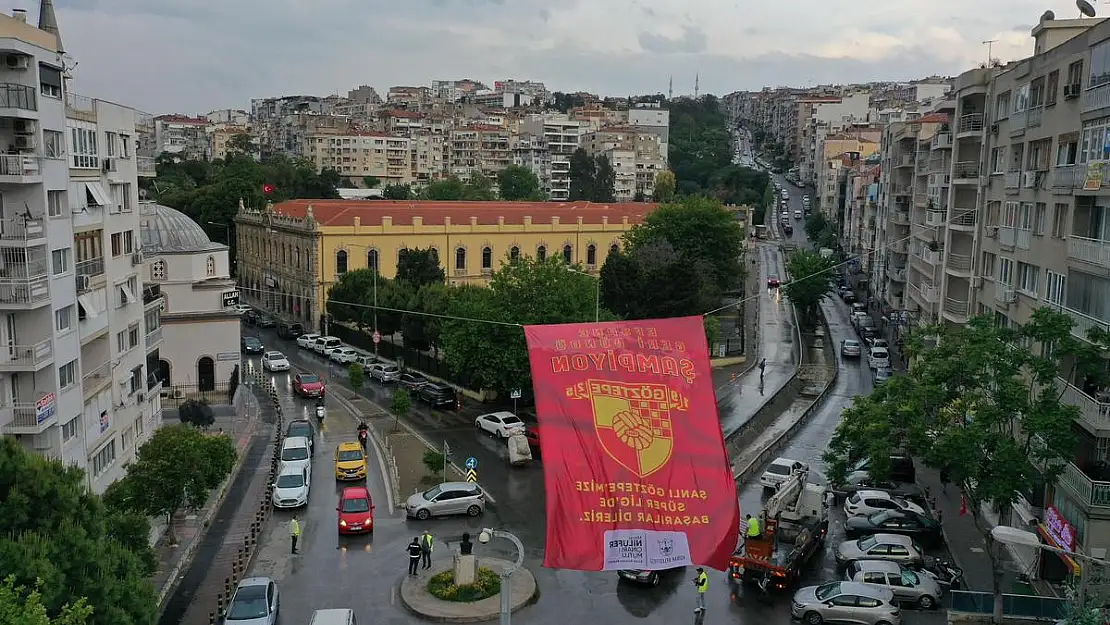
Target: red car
<point>308,385</point>
<point>773,282</point>
<point>532,433</point>
<point>356,511</point>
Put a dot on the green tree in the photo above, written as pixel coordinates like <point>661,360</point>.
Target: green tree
<point>352,299</point>
<point>583,170</point>
<point>371,182</point>
<point>699,143</point>
<point>981,401</point>
<point>242,143</point>
<point>654,281</point>
<point>400,405</point>
<point>417,267</point>
<point>605,180</point>
<point>479,188</point>
<point>566,101</point>
<point>178,467</point>
<point>397,192</point>
<point>808,283</point>
<point>422,332</point>
<point>820,231</point>
<point>767,206</point>
<point>20,605</point>
<point>664,186</point>
<point>355,376</point>
<point>519,184</point>
<point>197,413</point>
<point>450,188</point>
<point>54,529</point>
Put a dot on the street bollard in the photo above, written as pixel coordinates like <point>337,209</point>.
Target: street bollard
<point>220,603</point>
<point>211,618</point>
<point>227,586</point>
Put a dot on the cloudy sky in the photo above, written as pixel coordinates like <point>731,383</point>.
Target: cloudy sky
<point>197,55</point>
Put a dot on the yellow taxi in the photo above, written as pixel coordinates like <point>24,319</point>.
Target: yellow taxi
<point>350,462</point>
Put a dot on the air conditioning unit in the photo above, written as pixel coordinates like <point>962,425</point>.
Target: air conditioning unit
<point>1007,296</point>
<point>994,129</point>
<point>1072,91</point>
<point>82,284</point>
<point>1028,179</point>
<point>17,61</point>
<point>109,164</point>
<point>141,397</point>
<point>23,127</point>
<point>24,142</point>
<point>136,259</point>
<point>977,282</point>
<point>992,231</point>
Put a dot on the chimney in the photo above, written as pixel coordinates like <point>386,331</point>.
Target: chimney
<point>49,22</point>
<point>20,15</point>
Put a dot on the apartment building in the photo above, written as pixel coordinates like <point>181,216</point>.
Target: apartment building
<point>860,194</point>
<point>636,156</point>
<point>838,153</point>
<point>232,117</point>
<point>654,120</point>
<point>530,151</point>
<point>402,123</point>
<point>477,148</point>
<point>219,135</point>
<point>182,136</point>
<point>73,383</point>
<point>427,156</point>
<point>408,97</point>
<point>361,154</point>
<point>563,136</point>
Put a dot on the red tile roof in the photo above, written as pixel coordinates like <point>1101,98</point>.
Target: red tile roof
<point>404,114</point>
<point>933,118</point>
<point>370,212</point>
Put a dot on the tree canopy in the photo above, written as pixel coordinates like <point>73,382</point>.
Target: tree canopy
<point>820,230</point>
<point>592,178</point>
<point>519,184</point>
<point>20,605</point>
<point>477,188</point>
<point>54,530</point>
<point>700,154</point>
<point>808,282</point>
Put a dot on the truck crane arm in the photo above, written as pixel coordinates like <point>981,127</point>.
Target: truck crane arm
<point>786,497</point>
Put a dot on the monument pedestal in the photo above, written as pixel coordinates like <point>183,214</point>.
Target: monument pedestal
<point>466,569</point>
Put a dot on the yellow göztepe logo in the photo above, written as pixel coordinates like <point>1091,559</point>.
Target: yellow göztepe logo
<point>633,421</point>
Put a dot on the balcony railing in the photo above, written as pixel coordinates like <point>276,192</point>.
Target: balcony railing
<point>972,122</point>
<point>1017,122</point>
<point>1096,98</point>
<point>1023,238</point>
<point>905,161</point>
<point>942,140</point>
<point>18,356</point>
<point>1033,117</point>
<point>955,307</point>
<point>91,267</point>
<point>1093,411</point>
<point>931,257</point>
<point>928,293</point>
<point>935,218</point>
<point>1013,180</point>
<point>20,165</point>
<point>1006,236</point>
<point>1090,493</point>
<point>1004,293</point>
<point>965,170</point>
<point>897,275</point>
<point>963,218</point>
<point>21,229</point>
<point>901,246</point>
<point>144,166</point>
<point>80,103</point>
<point>154,338</point>
<point>959,262</point>
<point>97,376</point>
<point>1084,323</point>
<point>1093,251</point>
<point>13,96</point>
<point>23,415</point>
<point>902,218</point>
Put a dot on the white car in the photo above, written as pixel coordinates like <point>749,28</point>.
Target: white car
<point>868,502</point>
<point>296,452</point>
<point>306,341</point>
<point>343,355</point>
<point>241,308</point>
<point>275,361</point>
<point>878,358</point>
<point>779,471</point>
<point>501,424</point>
<point>325,345</point>
<point>873,342</point>
<point>291,487</point>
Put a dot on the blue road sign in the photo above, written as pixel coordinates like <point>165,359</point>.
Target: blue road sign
<point>472,463</point>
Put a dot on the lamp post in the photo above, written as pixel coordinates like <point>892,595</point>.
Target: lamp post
<point>597,291</point>
<point>506,576</point>
<point>1021,538</point>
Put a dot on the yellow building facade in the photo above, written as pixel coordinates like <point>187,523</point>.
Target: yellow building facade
<point>289,255</point>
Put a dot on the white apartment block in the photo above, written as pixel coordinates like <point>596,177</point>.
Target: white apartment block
<point>563,136</point>
<point>357,155</point>
<point>73,381</point>
<point>531,153</point>
<point>656,121</point>
<point>183,136</point>
<point>230,117</point>
<point>636,157</point>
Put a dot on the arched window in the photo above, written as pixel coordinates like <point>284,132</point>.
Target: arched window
<point>614,248</point>
<point>372,259</point>
<point>210,266</point>
<point>297,257</point>
<point>158,270</point>
<point>341,262</point>
<point>487,257</point>
<point>541,253</point>
<point>514,253</point>
<point>460,259</point>
<point>591,254</point>
<point>568,254</point>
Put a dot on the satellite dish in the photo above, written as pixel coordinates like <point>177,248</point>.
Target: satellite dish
<point>1085,8</point>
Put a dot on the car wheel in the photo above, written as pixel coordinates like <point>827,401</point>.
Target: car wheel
<point>926,602</point>
<point>813,618</point>
<point>473,511</point>
<point>423,514</point>
<point>654,579</point>
<point>478,426</point>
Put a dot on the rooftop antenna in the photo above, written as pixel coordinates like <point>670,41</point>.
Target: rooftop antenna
<point>1085,8</point>
<point>990,45</point>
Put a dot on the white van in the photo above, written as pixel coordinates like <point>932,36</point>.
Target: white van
<point>878,358</point>
<point>326,344</point>
<point>333,616</point>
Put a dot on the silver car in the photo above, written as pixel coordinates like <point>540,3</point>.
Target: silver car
<point>846,602</point>
<point>892,547</point>
<point>909,587</point>
<point>447,499</point>
<point>255,602</point>
<point>384,372</point>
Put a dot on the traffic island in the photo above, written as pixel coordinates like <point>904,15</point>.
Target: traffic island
<point>418,598</point>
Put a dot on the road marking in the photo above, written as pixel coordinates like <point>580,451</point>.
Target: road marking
<point>379,452</point>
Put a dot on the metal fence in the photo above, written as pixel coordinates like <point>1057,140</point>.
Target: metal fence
<point>406,358</point>
<point>1026,606</point>
<point>173,395</point>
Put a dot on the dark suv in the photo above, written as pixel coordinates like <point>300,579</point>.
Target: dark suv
<point>436,394</point>
<point>290,330</point>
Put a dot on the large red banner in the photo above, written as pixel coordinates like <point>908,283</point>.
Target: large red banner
<point>635,467</point>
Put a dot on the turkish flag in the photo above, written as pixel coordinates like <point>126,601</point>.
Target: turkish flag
<point>267,189</point>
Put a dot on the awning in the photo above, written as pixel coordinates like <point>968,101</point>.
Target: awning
<point>97,194</point>
<point>128,296</point>
<point>88,305</point>
<point>1071,562</point>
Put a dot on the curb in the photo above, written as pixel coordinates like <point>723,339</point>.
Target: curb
<point>493,609</point>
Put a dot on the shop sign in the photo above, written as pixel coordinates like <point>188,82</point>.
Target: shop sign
<point>1059,529</point>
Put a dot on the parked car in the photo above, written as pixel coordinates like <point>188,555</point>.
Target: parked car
<point>241,309</point>
<point>384,373</point>
<point>325,345</point>
<point>797,214</point>
<point>846,602</point>
<point>862,481</point>
<point>250,317</point>
<point>366,361</point>
<point>882,374</point>
<point>878,358</point>
<point>868,502</point>
<point>773,282</point>
<point>412,381</point>
<point>850,348</point>
<point>306,341</point>
<point>848,296</point>
<point>902,469</point>
<point>275,361</point>
<point>437,394</point>
<point>355,510</point>
<point>350,461</point>
<point>892,547</point>
<point>255,602</point>
<point>646,577</point>
<point>343,355</point>
<point>925,529</point>
<point>302,427</point>
<point>779,471</point>
<point>308,385</point>
<point>447,499</point>
<point>251,345</point>
<point>909,587</point>
<point>290,330</point>
<point>266,321</point>
<point>291,487</point>
<point>877,342</point>
<point>500,424</point>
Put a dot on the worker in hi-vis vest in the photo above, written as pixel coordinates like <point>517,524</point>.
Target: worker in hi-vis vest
<point>701,582</point>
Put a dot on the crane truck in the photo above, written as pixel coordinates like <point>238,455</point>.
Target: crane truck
<point>795,523</point>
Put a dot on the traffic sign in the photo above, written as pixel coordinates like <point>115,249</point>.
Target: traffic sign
<point>377,337</point>
<point>472,476</point>
<point>472,463</point>
<point>514,394</point>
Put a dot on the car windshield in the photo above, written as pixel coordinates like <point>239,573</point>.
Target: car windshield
<point>249,603</point>
<point>432,493</point>
<point>294,453</point>
<point>390,369</point>
<point>851,343</point>
<point>309,379</point>
<point>250,340</point>
<point>878,353</point>
<point>779,469</point>
<point>867,542</point>
<point>350,455</point>
<point>901,503</point>
<point>356,505</point>
<point>909,578</point>
<point>299,429</point>
<point>824,591</point>
<point>290,480</point>
<point>274,356</point>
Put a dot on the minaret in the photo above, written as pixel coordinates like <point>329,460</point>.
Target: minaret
<point>697,82</point>
<point>48,21</point>
<point>670,88</point>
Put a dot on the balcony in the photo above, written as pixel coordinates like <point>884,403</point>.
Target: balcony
<point>943,140</point>
<point>153,339</point>
<point>963,219</point>
<point>1095,414</point>
<point>1033,117</point>
<point>144,166</point>
<point>22,230</point>
<point>1013,180</point>
<point>1096,98</point>
<point>1007,236</point>
<point>1089,493</point>
<point>26,357</point>
<point>1017,123</point>
<point>966,172</point>
<point>932,257</point>
<point>905,161</point>
<point>92,382</point>
<point>920,199</point>
<point>1023,238</point>
<point>20,169</point>
<point>1068,178</point>
<point>1091,251</point>
<point>23,418</point>
<point>959,263</point>
<point>927,293</point>
<point>16,100</point>
<point>85,217</point>
<point>901,246</point>
<point>956,309</point>
<point>24,281</point>
<point>1084,323</point>
<point>935,218</point>
<point>901,218</point>
<point>970,124</point>
<point>92,267</point>
<point>80,107</point>
<point>1004,293</point>
<point>896,275</point>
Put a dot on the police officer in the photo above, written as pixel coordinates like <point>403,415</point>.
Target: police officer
<point>294,532</point>
<point>701,582</point>
<point>426,543</point>
<point>414,555</point>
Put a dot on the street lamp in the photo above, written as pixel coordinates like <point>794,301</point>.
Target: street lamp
<point>506,583</point>
<point>1021,538</point>
<point>597,291</point>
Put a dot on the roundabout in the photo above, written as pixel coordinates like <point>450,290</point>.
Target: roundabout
<point>417,592</point>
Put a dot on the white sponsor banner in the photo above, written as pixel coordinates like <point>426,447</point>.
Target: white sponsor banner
<point>646,549</point>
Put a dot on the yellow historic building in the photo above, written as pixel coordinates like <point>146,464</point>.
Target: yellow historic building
<point>290,254</point>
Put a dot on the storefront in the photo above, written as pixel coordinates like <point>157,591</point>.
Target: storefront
<point>1056,531</point>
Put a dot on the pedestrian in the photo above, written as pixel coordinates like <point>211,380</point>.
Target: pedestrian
<point>294,532</point>
<point>762,367</point>
<point>414,555</point>
<point>701,582</point>
<point>426,542</point>
<point>944,479</point>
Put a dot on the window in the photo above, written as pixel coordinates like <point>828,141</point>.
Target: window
<point>514,253</point>
<point>591,254</point>
<point>56,203</point>
<point>152,320</point>
<point>136,380</point>
<point>1006,271</point>
<point>614,248</point>
<point>128,242</point>
<point>460,259</point>
<point>125,293</point>
<point>133,335</point>
<point>110,143</point>
<point>1100,65</point>
<point>158,270</point>
<point>104,458</point>
<point>541,253</point>
<point>1066,152</point>
<point>1039,218</point>
<point>139,429</point>
<point>84,149</point>
<point>1021,99</point>
<point>1010,215</point>
<point>487,258</point>
<point>1075,74</point>
<point>1027,277</point>
<point>994,209</point>
<point>53,144</point>
<point>50,81</point>
<point>1055,288</point>
<point>988,264</point>
<point>341,262</point>
<point>371,259</point>
<point>998,160</point>
<point>1002,106</point>
<point>210,265</point>
<point>127,438</point>
<point>1059,220</point>
<point>63,318</point>
<point>70,428</point>
<point>60,260</point>
<point>125,146</point>
<point>1025,216</point>
<point>568,254</point>
<point>117,244</point>
<point>67,374</point>
<point>1052,85</point>
<point>121,341</point>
